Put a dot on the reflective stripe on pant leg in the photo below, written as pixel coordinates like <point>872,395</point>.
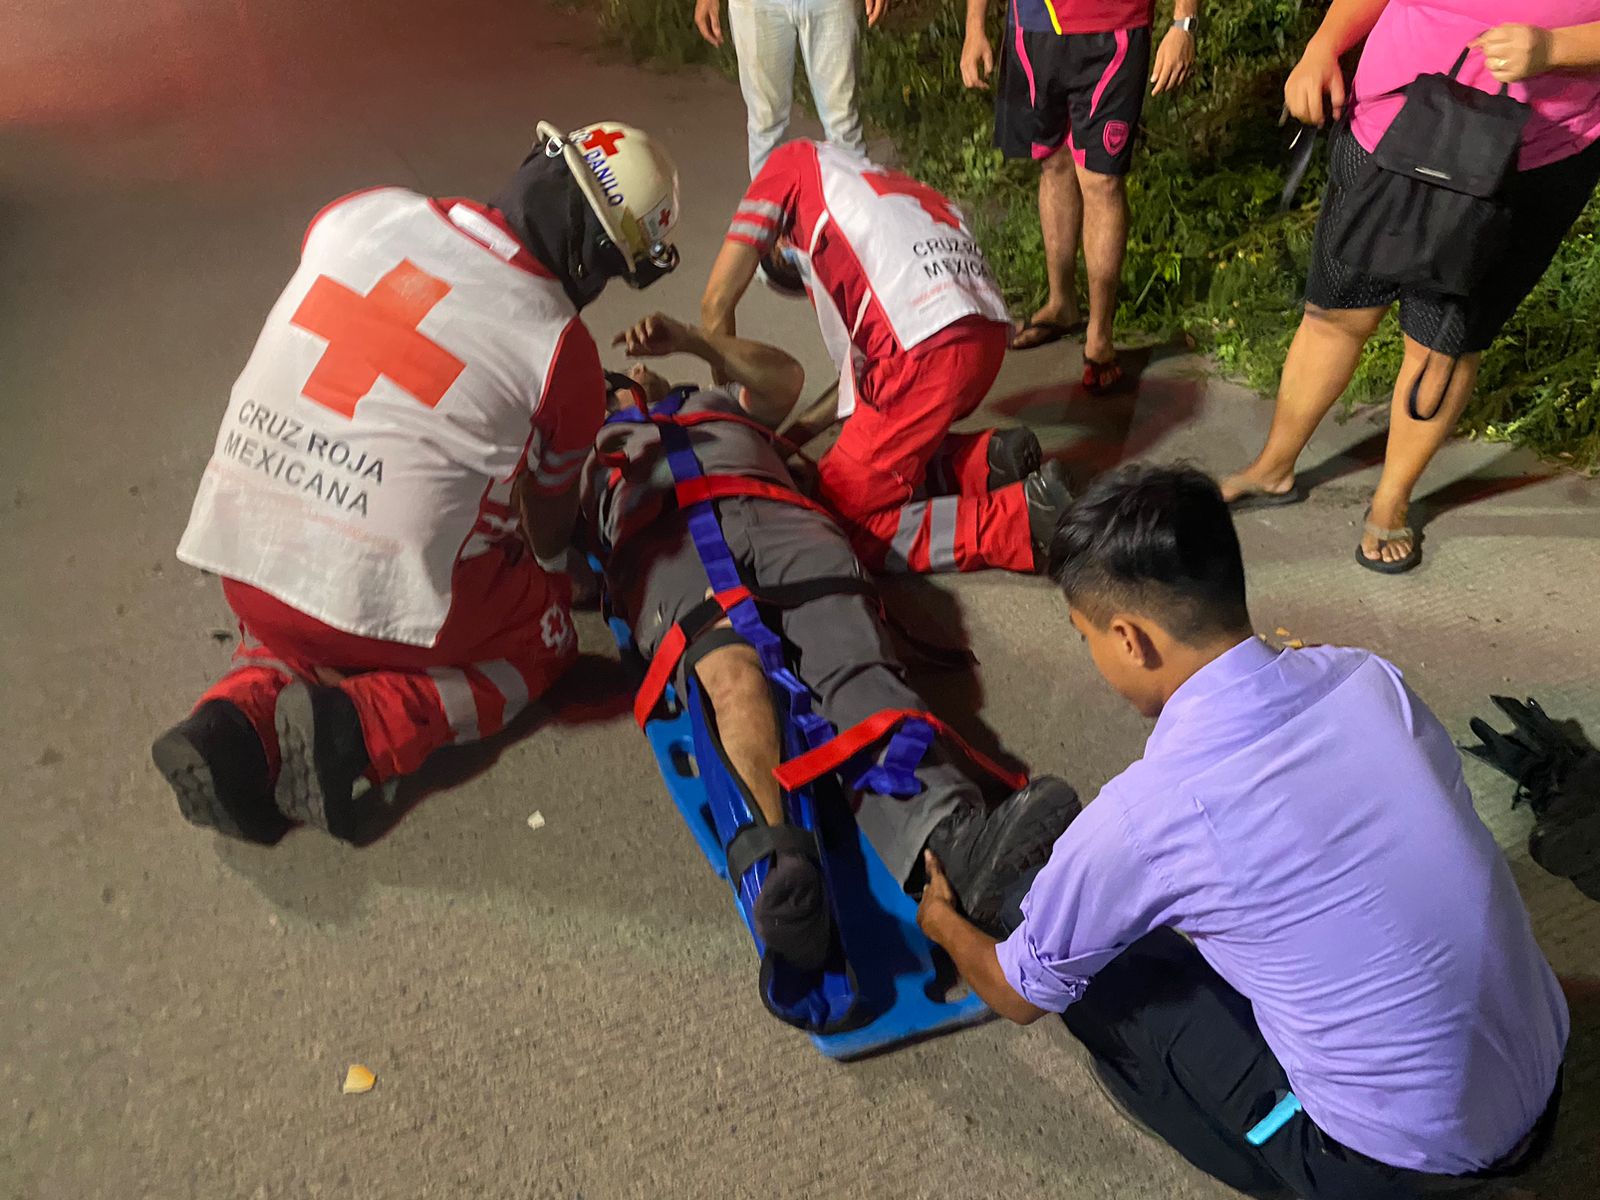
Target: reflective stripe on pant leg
<point>455,697</point>
<point>942,533</point>
<point>508,681</point>
<point>910,552</point>
<point>905,537</point>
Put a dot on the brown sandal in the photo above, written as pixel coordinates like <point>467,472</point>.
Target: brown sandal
<point>1400,565</point>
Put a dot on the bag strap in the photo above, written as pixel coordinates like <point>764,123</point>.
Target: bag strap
<point>1461,62</point>
<point>1413,408</point>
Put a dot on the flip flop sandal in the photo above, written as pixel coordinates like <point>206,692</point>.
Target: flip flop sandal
<point>1100,378</point>
<point>1053,332</point>
<point>1400,565</point>
<point>1250,500</point>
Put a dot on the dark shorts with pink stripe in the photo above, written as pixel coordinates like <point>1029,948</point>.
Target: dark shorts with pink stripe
<point>1081,91</point>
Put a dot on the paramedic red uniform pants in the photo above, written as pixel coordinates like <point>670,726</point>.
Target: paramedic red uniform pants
<point>507,639</point>
<point>876,477</point>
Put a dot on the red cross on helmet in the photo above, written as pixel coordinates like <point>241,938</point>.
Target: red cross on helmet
<point>631,184</point>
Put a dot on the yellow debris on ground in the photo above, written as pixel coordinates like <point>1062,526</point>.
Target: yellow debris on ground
<point>358,1079</point>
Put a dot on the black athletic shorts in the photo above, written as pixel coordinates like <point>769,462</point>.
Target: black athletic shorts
<point>1083,90</point>
<point>1545,201</point>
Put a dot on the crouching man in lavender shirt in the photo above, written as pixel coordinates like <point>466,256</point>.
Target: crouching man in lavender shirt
<point>1358,1008</point>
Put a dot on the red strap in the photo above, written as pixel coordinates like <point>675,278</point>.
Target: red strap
<point>668,655</point>
<point>721,487</point>
<point>661,668</point>
<point>814,764</point>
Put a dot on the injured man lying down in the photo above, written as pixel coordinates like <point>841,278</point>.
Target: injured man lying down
<point>812,593</point>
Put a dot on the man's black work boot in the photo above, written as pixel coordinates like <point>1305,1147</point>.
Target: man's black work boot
<point>218,771</point>
<point>984,852</point>
<point>1013,455</point>
<point>1048,499</point>
<point>323,753</point>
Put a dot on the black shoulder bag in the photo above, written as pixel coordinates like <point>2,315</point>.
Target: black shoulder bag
<point>1429,215</point>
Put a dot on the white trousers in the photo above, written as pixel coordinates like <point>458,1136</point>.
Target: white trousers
<point>765,33</point>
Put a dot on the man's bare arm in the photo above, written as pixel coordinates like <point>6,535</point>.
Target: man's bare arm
<point>771,379</point>
<point>547,523</point>
<point>730,279</point>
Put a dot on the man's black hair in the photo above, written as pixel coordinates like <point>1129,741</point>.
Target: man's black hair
<point>1156,542</point>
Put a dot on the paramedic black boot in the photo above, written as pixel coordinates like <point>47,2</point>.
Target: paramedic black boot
<point>1048,499</point>
<point>218,771</point>
<point>984,853</point>
<point>324,756</point>
<point>1013,455</point>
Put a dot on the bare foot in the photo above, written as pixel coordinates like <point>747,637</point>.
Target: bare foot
<point>1386,514</point>
<point>1254,480</point>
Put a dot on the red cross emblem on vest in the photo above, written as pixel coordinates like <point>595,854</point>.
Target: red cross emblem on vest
<point>892,183</point>
<point>604,140</point>
<point>375,335</point>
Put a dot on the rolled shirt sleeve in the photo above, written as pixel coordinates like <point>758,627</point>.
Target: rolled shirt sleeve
<point>1097,895</point>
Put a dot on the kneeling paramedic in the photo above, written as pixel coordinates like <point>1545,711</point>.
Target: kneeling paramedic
<point>1359,1009</point>
<point>911,316</point>
<point>419,405</point>
<point>798,566</point>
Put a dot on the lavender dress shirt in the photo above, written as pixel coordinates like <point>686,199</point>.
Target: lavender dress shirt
<point>1302,816</point>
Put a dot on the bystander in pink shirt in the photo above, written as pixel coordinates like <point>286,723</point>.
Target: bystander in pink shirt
<point>1416,37</point>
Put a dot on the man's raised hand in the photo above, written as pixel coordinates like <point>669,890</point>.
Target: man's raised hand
<point>655,336</point>
<point>875,11</point>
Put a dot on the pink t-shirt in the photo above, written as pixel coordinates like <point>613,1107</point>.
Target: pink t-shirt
<point>1416,37</point>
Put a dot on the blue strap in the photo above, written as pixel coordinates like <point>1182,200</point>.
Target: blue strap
<point>1282,1113</point>
<point>668,406</point>
<point>895,774</point>
<point>892,775</point>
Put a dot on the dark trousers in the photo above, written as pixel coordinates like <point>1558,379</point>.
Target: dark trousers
<point>1180,1049</point>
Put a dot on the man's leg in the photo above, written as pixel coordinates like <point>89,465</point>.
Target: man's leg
<point>842,652</point>
<point>764,43</point>
<point>1322,359</point>
<point>830,41</point>
<point>1061,222</point>
<point>1105,240</point>
<point>1179,1049</point>
<point>736,688</point>
<point>1106,75</point>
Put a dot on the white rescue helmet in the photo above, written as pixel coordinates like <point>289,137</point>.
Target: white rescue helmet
<point>631,184</point>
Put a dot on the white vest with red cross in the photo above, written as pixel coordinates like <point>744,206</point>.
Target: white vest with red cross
<point>921,268</point>
<point>396,389</point>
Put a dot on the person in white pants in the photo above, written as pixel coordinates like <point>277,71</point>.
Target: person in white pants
<point>764,36</point>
